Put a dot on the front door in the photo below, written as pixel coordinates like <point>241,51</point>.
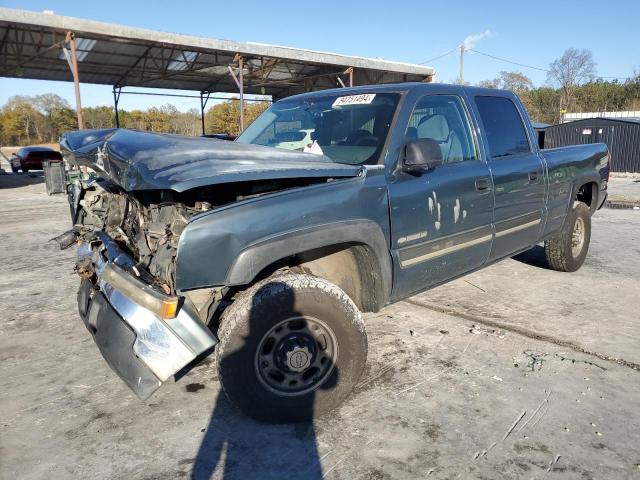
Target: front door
<point>518,176</point>
<point>440,219</point>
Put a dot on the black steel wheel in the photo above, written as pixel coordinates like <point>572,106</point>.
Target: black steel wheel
<point>296,355</point>
<point>291,348</point>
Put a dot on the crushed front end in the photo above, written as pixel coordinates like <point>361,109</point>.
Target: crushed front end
<point>129,218</point>
<point>144,329</point>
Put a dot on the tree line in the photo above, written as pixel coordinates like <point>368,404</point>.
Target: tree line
<point>26,120</point>
<point>572,86</point>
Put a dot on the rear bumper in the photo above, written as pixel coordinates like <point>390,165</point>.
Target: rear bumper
<point>31,164</point>
<point>144,349</point>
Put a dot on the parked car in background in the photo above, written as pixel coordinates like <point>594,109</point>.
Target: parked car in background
<point>31,158</point>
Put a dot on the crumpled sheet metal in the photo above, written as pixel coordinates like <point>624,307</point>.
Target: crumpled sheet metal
<point>137,160</point>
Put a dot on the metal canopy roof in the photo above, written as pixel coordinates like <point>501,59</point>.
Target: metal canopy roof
<point>31,47</point>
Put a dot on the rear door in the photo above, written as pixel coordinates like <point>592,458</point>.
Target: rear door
<point>440,219</point>
<point>518,175</point>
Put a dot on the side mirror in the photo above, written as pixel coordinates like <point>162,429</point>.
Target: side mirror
<point>420,155</point>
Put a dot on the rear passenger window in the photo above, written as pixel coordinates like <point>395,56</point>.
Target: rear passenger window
<point>443,118</point>
<point>503,127</point>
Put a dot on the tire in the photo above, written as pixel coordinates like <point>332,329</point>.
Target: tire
<point>261,338</point>
<point>14,169</point>
<point>25,170</point>
<point>565,253</point>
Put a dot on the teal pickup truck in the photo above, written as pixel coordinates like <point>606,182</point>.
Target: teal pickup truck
<point>265,257</point>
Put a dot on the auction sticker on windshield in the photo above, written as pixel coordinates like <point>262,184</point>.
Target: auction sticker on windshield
<point>363,99</point>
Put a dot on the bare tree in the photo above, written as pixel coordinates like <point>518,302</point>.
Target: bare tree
<point>572,69</point>
<point>489,83</point>
<point>57,115</point>
<point>99,117</point>
<point>515,81</point>
<point>28,118</point>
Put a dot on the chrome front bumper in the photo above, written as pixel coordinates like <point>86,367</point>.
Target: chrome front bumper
<point>144,349</point>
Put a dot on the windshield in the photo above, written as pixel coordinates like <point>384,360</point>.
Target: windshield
<point>346,128</point>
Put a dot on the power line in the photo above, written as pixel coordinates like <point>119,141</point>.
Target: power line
<point>439,56</point>
<point>211,97</point>
<point>531,66</point>
<point>508,61</point>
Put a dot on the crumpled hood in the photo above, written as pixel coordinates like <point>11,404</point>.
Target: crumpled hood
<point>144,161</point>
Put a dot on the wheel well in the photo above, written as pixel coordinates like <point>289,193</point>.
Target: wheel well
<point>587,194</point>
<point>353,267</point>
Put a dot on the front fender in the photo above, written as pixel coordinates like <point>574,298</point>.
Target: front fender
<point>251,261</point>
<point>231,245</point>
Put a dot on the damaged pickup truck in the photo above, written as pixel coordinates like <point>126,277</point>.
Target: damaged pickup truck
<point>265,250</point>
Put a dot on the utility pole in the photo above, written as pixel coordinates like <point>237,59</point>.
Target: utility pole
<point>461,79</point>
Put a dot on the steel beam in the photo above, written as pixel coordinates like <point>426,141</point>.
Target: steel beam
<point>73,63</point>
<point>116,99</point>
<point>349,71</point>
<point>239,79</point>
<point>203,104</point>
<point>135,64</point>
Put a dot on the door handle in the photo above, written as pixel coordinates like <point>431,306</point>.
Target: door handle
<point>483,184</point>
<point>533,177</point>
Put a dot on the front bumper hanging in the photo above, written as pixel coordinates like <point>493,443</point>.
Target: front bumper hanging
<point>142,334</point>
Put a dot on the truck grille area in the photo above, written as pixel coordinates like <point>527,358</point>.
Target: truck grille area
<point>148,232</point>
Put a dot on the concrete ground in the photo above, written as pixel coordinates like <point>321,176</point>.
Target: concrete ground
<point>512,372</point>
<point>625,188</point>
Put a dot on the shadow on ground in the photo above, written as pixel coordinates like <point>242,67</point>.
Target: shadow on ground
<point>17,180</point>
<point>236,447</point>
<point>534,257</point>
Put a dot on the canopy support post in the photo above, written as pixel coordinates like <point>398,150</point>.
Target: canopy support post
<point>349,71</point>
<point>116,100</point>
<point>240,84</point>
<point>203,104</point>
<point>72,60</point>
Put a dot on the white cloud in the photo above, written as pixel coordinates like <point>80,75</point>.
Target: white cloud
<point>471,40</point>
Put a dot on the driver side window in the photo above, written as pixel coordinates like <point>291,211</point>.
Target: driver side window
<point>443,119</point>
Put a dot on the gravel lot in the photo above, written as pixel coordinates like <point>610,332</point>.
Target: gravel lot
<point>512,372</point>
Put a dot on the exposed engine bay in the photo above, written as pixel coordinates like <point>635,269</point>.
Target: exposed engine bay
<point>147,224</point>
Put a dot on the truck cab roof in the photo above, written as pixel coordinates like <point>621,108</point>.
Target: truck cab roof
<point>405,87</point>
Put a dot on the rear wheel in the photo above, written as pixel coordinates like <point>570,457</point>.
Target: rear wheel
<point>291,348</point>
<point>567,251</point>
<point>25,170</point>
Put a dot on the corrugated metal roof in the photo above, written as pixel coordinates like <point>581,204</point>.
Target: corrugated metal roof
<point>571,116</point>
<point>596,121</point>
<point>30,47</point>
<point>539,125</point>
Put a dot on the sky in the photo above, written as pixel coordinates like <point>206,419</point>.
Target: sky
<point>530,33</point>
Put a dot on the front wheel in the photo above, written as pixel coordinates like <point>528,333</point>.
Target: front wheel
<point>291,348</point>
<point>567,251</point>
